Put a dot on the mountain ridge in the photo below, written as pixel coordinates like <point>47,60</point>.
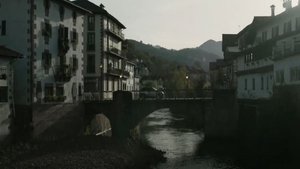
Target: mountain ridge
<point>188,56</point>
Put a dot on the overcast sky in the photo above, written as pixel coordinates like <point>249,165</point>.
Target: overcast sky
<point>178,24</point>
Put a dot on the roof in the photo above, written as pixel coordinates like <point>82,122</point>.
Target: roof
<point>96,10</point>
<point>72,5</point>
<point>228,40</point>
<point>258,21</point>
<point>6,52</point>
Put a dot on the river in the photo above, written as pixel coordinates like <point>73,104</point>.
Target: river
<point>183,144</point>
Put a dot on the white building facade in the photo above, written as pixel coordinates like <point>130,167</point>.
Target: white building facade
<point>105,61</point>
<point>49,34</point>
<point>270,54</point>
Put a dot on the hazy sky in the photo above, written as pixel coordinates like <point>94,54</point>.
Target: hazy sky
<point>180,24</point>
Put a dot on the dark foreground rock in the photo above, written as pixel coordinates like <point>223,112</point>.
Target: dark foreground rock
<point>87,152</point>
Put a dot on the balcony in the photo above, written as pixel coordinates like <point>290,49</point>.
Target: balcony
<point>63,73</point>
<point>285,53</point>
<point>126,74</point>
<point>116,33</point>
<point>115,52</point>
<point>118,73</point>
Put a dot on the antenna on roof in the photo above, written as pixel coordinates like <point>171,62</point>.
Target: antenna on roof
<point>287,4</point>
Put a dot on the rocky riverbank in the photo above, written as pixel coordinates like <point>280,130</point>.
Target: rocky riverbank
<point>86,152</point>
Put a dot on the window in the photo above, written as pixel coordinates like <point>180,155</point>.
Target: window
<point>61,12</point>
<point>298,23</point>
<point>49,90</point>
<point>74,15</point>
<point>74,63</point>
<point>91,23</point>
<point>60,90</point>
<point>246,85</point>
<point>66,33</point>
<point>253,84</point>
<point>91,41</point>
<point>280,76</point>
<point>46,59</point>
<point>287,27</point>
<point>47,7</point>
<point>90,64</point>
<point>46,31</point>
<point>3,94</point>
<point>74,38</point>
<point>3,27</point>
<point>267,83</point>
<point>295,74</point>
<point>275,31</point>
<point>264,36</point>
<point>297,45</point>
<point>262,83</point>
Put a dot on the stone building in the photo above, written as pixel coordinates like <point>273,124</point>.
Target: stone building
<point>49,35</point>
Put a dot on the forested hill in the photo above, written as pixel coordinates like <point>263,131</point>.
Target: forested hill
<point>193,57</point>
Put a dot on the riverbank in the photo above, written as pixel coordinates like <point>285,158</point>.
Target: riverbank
<point>86,152</point>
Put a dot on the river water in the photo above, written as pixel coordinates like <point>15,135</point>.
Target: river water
<point>183,144</point>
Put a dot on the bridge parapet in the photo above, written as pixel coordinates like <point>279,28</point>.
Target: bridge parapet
<point>183,94</point>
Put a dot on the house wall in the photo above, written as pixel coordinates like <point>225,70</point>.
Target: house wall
<point>285,65</point>
<point>41,75</point>
<point>18,38</point>
<point>263,86</point>
<point>5,106</point>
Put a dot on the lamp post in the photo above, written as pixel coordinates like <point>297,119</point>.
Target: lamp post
<point>187,80</point>
<point>101,81</point>
<point>187,84</point>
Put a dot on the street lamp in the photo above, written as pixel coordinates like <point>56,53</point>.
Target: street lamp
<point>187,83</point>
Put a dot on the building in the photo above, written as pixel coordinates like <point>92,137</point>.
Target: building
<point>129,84</point>
<point>269,53</point>
<point>105,61</point>
<point>48,34</point>
<point>286,52</point>
<point>7,57</point>
<point>223,71</point>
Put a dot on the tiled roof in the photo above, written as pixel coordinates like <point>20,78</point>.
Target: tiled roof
<point>257,22</point>
<point>70,4</point>
<point>260,21</point>
<point>96,10</point>
<point>5,52</point>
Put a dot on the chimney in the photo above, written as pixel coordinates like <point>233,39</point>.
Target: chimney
<point>102,6</point>
<point>273,10</point>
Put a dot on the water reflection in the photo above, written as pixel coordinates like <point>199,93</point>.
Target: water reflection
<point>182,144</point>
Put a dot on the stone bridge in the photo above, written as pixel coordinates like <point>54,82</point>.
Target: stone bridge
<point>215,115</point>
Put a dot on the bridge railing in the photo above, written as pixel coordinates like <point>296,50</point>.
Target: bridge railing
<point>172,94</point>
<point>140,95</point>
<point>97,96</point>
